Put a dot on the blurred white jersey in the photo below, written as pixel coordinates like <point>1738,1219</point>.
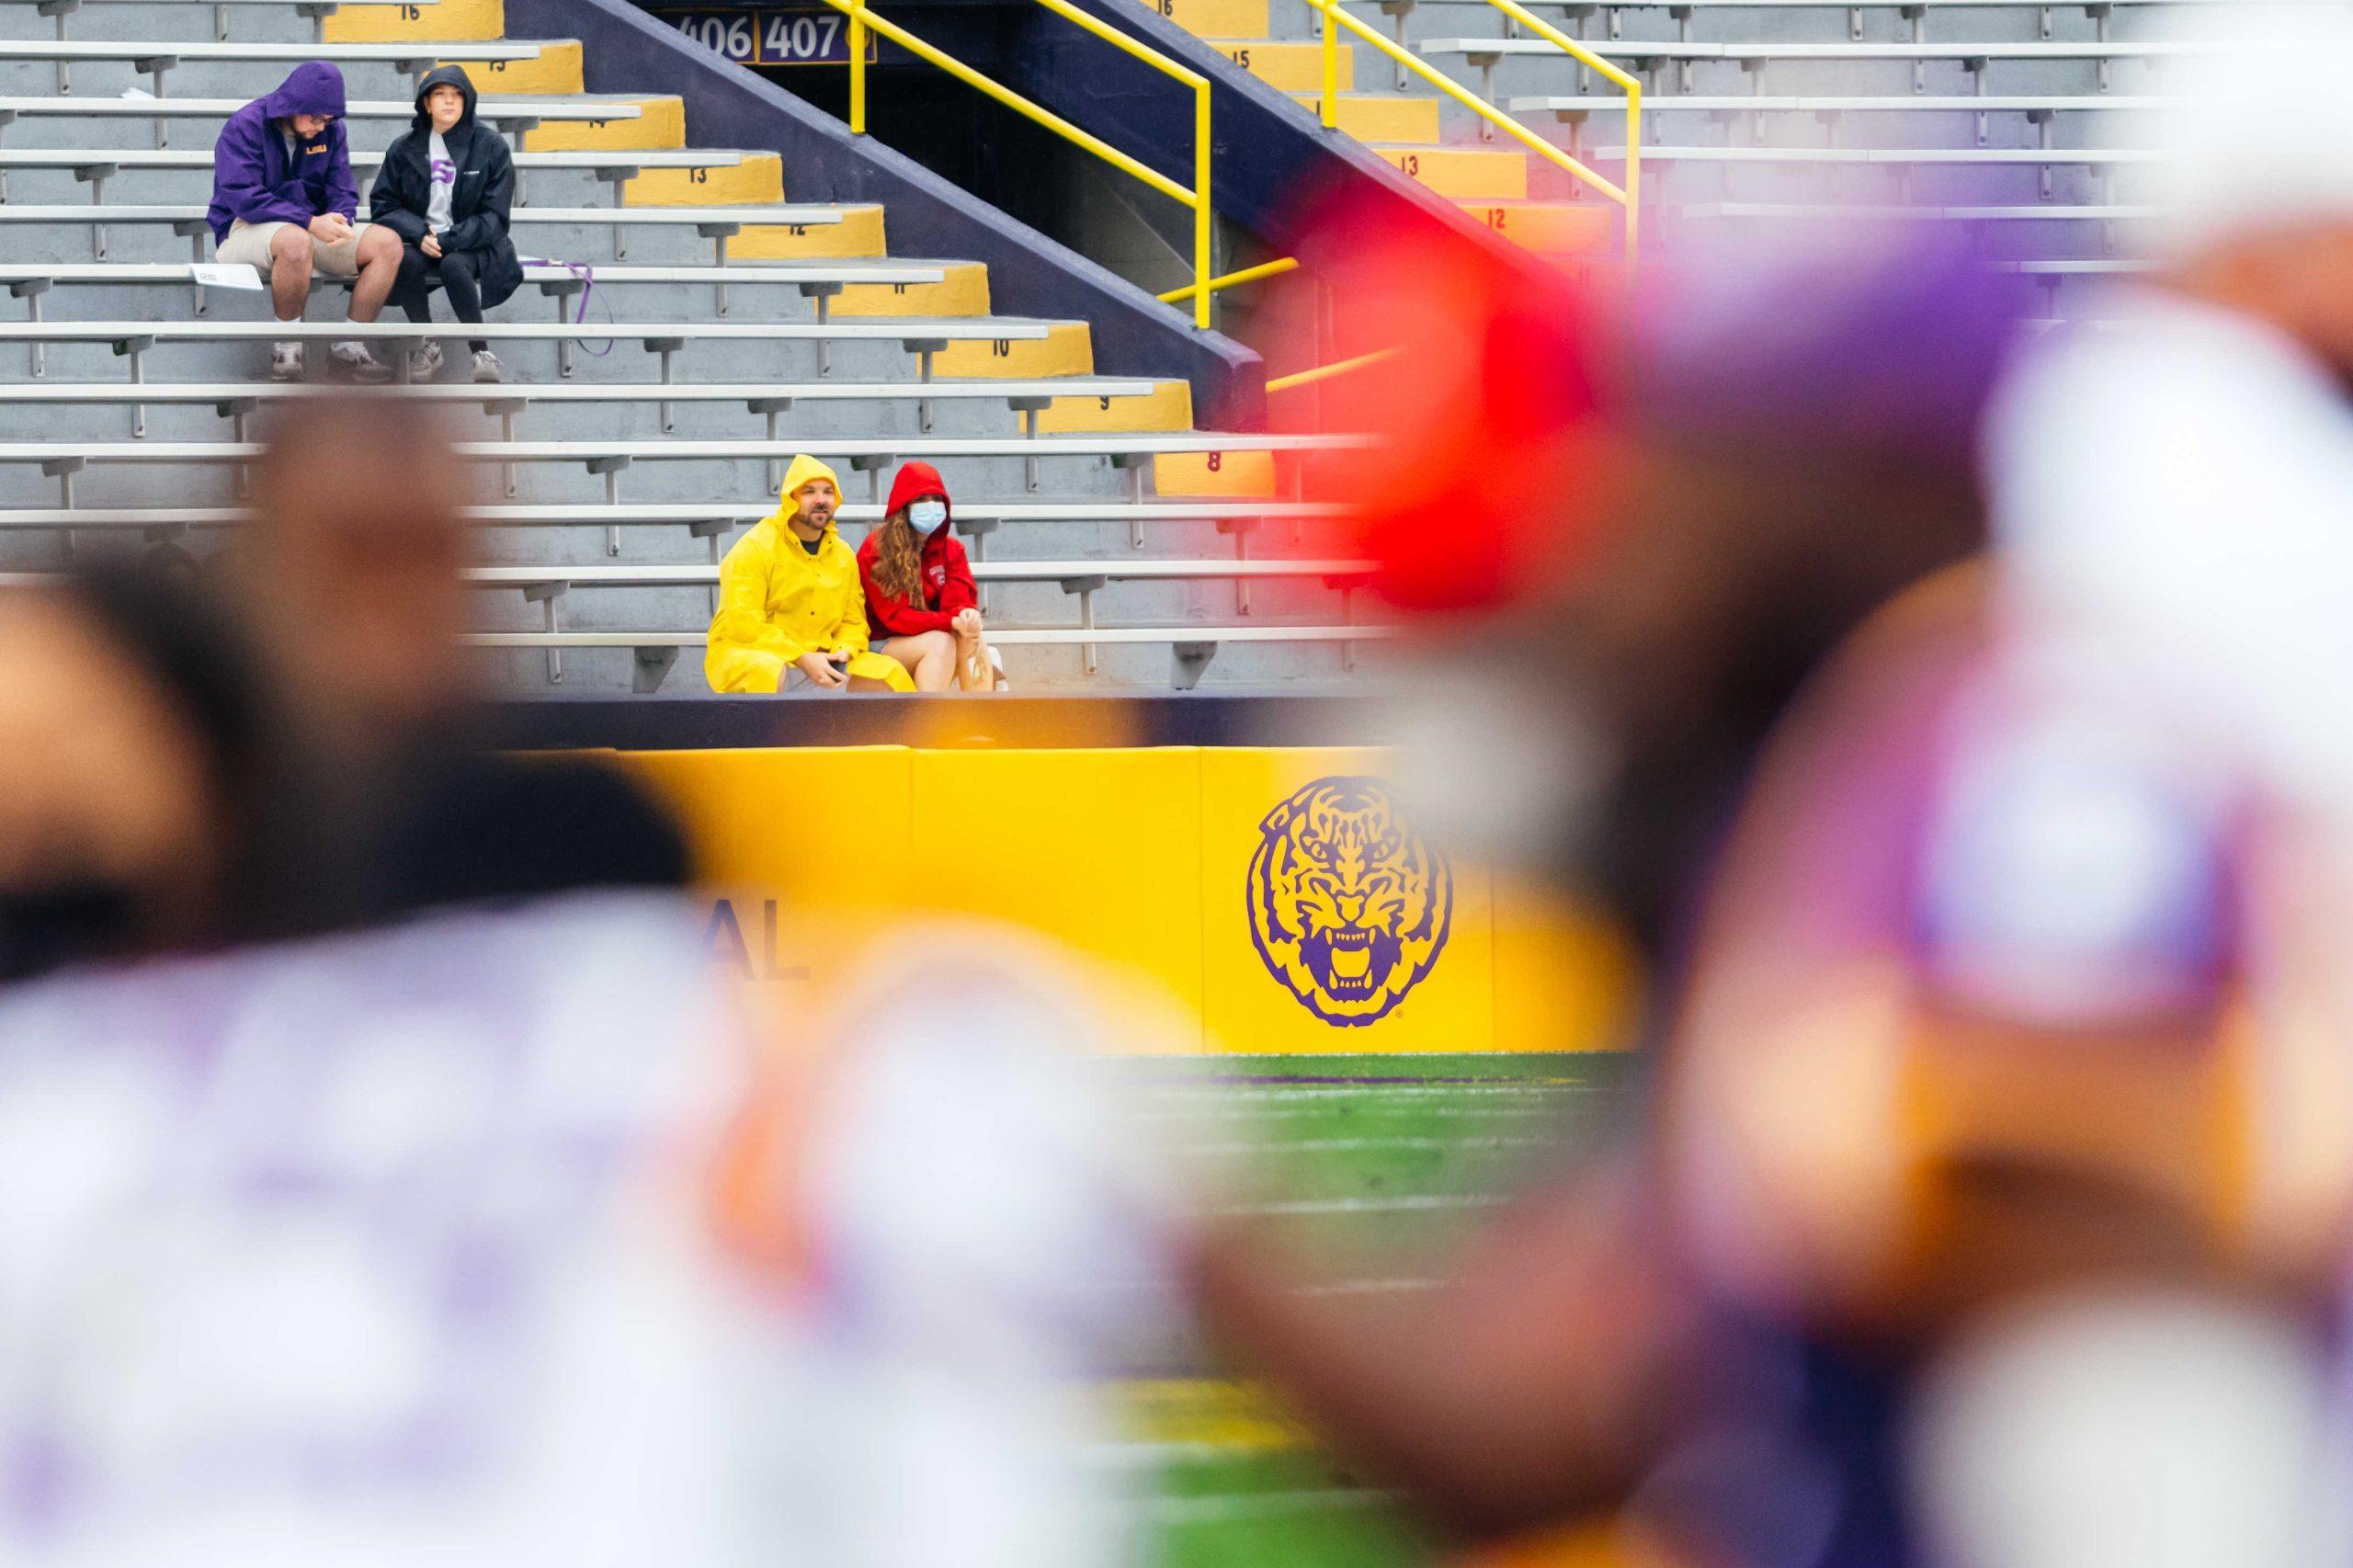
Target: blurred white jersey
<point>397,1248</point>
<point>2182,485</point>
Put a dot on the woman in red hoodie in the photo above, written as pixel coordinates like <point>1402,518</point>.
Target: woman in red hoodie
<point>921,607</point>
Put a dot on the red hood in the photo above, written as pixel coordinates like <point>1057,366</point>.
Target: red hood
<point>916,481</point>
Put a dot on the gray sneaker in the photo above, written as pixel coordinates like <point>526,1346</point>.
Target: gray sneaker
<point>487,367</point>
<point>425,360</point>
<point>285,361</point>
<point>353,359</point>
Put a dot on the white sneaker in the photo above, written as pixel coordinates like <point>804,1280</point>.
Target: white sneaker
<point>425,361</point>
<point>354,360</point>
<point>487,367</point>
<point>285,361</point>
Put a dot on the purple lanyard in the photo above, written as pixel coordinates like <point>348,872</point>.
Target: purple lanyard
<point>588,276</point>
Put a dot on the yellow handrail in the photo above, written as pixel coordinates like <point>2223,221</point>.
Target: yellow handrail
<point>1247,275</point>
<point>1628,197</point>
<point>1196,198</point>
<point>1325,372</point>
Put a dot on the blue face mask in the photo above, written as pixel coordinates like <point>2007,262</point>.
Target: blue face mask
<point>928,514</point>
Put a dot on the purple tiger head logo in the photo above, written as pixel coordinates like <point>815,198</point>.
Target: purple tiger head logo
<point>1349,908</point>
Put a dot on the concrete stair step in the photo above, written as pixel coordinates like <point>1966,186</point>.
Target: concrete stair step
<point>660,122</point>
<point>859,234</point>
<point>1551,228</point>
<point>1169,407</point>
<point>1293,67</point>
<point>1067,349</point>
<point>760,178</point>
<point>557,70</point>
<point>1215,474</point>
<point>444,20</point>
<point>963,292</point>
<point>1397,118</point>
<point>1466,174</point>
<point>1216,18</point>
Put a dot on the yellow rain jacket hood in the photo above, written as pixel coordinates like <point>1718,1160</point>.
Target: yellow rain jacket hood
<point>778,601</point>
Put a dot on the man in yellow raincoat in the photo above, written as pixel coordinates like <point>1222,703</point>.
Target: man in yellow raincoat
<point>791,609</point>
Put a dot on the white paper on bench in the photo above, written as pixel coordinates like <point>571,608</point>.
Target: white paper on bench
<point>233,274</point>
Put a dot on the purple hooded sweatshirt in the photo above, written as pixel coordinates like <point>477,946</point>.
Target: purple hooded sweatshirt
<point>252,177</point>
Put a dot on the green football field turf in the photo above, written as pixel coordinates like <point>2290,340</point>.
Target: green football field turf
<point>1379,1161</point>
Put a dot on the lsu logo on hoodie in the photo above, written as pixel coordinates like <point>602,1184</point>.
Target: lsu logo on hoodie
<point>1349,908</point>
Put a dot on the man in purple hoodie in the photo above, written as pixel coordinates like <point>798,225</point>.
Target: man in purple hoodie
<point>283,200</point>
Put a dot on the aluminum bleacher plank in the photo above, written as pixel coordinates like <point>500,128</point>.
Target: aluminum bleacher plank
<point>1620,49</point>
<point>193,158</point>
<point>62,393</point>
<point>2004,103</point>
<point>185,50</point>
<point>671,514</point>
<point>1009,635</point>
<point>574,108</point>
<point>850,270</point>
<point>1992,214</point>
<point>2084,155</point>
<point>15,212</point>
<point>984,571</point>
<point>1110,444</point>
<point>884,328</point>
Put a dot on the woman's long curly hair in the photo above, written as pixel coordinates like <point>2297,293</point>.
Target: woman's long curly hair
<point>898,558</point>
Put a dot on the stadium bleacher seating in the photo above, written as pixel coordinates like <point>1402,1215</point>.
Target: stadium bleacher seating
<point>1117,543</point>
<point>2027,115</point>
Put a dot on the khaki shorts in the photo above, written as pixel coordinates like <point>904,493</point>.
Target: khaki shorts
<point>248,246</point>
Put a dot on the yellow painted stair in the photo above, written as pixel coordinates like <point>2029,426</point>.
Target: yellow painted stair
<point>445,21</point>
<point>1067,349</point>
<point>659,123</point>
<point>964,292</point>
<point>758,178</point>
<point>1293,67</point>
<point>1243,475</point>
<point>1391,118</point>
<point>859,233</point>
<point>1168,406</point>
<point>1550,228</point>
<point>1466,174</point>
<point>557,70</point>
<point>1216,18</point>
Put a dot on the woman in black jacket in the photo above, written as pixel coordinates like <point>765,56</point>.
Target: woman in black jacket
<point>445,189</point>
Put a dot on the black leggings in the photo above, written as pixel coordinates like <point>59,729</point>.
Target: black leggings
<point>461,278</point>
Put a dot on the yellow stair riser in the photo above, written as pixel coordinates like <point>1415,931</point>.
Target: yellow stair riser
<point>1216,18</point>
<point>557,70</point>
<point>449,20</point>
<point>660,122</point>
<point>760,178</point>
<point>1372,119</point>
<point>1467,173</point>
<point>1293,67</point>
<point>1067,350</point>
<point>859,234</point>
<point>1168,406</point>
<point>1551,228</point>
<point>963,292</point>
<point>1214,473</point>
